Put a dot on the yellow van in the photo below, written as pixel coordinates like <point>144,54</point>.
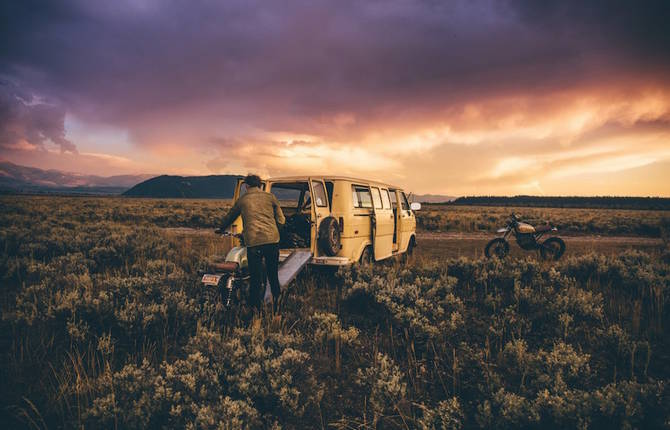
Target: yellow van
<point>341,220</point>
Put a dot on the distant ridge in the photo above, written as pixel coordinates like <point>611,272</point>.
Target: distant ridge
<point>596,202</point>
<point>186,187</point>
<point>16,179</point>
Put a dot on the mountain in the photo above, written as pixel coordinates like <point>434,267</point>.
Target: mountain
<point>194,187</point>
<point>22,179</point>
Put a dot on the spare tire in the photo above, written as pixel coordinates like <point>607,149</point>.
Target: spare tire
<point>329,236</point>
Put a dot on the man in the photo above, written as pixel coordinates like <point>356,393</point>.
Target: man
<point>261,214</point>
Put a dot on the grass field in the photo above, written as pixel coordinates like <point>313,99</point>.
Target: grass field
<point>620,222</point>
<point>104,326</point>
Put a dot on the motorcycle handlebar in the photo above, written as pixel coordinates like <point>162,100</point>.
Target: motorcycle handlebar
<point>226,233</point>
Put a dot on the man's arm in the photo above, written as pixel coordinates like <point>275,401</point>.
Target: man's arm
<point>279,215</point>
<point>231,216</point>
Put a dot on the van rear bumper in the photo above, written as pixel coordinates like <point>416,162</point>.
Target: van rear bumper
<point>317,261</point>
<point>330,261</point>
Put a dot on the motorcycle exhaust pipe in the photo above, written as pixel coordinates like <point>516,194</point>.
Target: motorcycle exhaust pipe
<point>229,287</point>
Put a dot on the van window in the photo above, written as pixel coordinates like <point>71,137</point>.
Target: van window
<point>376,198</point>
<point>319,194</point>
<point>293,195</point>
<point>394,202</point>
<point>329,190</point>
<point>385,199</point>
<point>361,195</point>
<point>405,205</point>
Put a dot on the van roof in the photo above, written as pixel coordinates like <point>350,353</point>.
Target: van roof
<point>334,178</point>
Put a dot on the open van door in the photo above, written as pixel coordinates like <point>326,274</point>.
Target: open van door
<point>383,224</point>
<point>236,226</point>
<point>320,209</point>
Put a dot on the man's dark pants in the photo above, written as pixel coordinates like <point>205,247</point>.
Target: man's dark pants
<point>255,256</point>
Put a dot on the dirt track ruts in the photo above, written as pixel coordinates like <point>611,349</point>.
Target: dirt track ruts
<point>623,240</point>
<point>479,236</point>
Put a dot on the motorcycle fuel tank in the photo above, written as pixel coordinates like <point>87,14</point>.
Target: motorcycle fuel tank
<point>238,255</point>
<point>522,227</point>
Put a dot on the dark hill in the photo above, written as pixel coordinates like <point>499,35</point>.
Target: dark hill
<point>596,202</point>
<point>192,187</point>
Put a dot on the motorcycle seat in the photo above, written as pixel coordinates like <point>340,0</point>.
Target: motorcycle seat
<point>225,266</point>
<point>543,228</point>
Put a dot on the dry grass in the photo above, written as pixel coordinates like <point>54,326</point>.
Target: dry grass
<point>105,326</point>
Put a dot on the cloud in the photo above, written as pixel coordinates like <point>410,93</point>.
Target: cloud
<point>454,97</point>
<point>27,123</point>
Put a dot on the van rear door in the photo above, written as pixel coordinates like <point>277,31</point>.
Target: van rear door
<point>320,208</point>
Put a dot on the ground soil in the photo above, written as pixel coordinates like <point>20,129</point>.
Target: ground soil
<point>457,244</point>
<point>447,245</point>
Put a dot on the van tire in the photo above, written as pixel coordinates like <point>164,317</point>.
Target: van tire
<point>329,239</point>
<point>367,257</point>
<point>411,246</point>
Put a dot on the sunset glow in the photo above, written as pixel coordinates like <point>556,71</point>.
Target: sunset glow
<point>455,98</point>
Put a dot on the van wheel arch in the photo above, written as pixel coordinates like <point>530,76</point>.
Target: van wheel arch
<point>367,255</point>
<point>411,245</point>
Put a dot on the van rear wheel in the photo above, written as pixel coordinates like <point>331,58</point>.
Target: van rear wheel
<point>366,257</point>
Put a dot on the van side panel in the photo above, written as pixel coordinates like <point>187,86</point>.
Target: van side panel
<point>357,229</point>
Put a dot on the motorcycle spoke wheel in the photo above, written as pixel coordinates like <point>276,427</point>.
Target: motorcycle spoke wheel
<point>498,247</point>
<point>211,295</point>
<point>552,249</point>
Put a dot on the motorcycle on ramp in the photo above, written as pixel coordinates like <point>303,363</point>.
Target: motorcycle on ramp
<point>228,281</point>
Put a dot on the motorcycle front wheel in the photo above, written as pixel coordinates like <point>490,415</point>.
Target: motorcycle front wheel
<point>552,249</point>
<point>498,247</point>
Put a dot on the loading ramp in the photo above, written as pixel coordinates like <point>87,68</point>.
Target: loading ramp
<point>289,269</point>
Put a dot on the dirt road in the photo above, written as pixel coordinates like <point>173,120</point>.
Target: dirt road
<point>455,244</point>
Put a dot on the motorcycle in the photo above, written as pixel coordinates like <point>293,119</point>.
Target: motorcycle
<point>528,238</point>
<point>228,280</point>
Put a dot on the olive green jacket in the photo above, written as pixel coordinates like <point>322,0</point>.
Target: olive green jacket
<point>261,214</point>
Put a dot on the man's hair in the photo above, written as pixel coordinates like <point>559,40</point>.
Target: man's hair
<point>253,180</point>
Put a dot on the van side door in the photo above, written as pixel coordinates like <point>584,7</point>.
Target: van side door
<point>407,221</point>
<point>383,224</point>
<point>320,209</point>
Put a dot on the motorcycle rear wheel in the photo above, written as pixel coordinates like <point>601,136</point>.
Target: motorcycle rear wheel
<point>211,294</point>
<point>498,247</point>
<point>552,249</point>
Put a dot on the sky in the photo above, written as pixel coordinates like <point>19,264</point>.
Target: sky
<point>455,97</point>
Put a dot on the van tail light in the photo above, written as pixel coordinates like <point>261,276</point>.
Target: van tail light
<point>341,224</point>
